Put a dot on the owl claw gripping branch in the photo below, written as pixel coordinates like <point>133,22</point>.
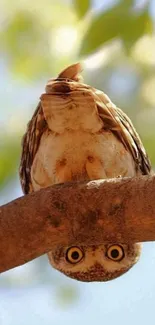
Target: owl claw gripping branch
<point>77,133</point>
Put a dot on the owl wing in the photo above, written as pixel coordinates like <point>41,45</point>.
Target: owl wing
<point>36,128</point>
<point>116,121</point>
<point>30,144</point>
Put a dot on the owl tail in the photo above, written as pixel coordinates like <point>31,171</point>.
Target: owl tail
<point>72,72</point>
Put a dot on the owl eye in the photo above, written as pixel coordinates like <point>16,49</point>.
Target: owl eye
<point>74,255</point>
<point>115,253</point>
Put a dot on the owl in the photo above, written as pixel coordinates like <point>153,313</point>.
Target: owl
<point>77,133</point>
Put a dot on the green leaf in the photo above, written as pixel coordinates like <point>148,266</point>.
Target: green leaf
<point>21,33</point>
<point>30,67</point>
<point>118,22</point>
<point>148,142</point>
<point>135,27</point>
<point>9,153</point>
<point>26,46</point>
<point>127,4</point>
<point>67,295</point>
<point>81,7</point>
<point>103,28</point>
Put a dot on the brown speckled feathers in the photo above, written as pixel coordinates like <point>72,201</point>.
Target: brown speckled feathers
<point>113,118</point>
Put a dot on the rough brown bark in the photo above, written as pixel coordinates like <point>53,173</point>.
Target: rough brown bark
<point>116,210</point>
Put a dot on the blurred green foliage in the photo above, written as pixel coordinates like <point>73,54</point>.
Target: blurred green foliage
<point>26,35</point>
<point>9,157</point>
<point>66,295</point>
<point>24,44</point>
<point>82,7</point>
<point>120,21</point>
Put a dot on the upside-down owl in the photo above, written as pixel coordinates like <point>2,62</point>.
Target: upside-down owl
<point>77,133</point>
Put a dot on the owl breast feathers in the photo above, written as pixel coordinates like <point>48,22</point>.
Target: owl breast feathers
<point>77,133</point>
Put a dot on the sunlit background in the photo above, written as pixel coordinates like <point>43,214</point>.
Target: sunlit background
<point>115,41</point>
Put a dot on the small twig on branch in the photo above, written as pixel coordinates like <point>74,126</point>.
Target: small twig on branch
<point>113,211</point>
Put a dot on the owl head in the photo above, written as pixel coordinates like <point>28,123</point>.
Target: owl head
<point>95,263</point>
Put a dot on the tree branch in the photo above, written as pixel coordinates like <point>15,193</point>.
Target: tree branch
<point>116,210</point>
